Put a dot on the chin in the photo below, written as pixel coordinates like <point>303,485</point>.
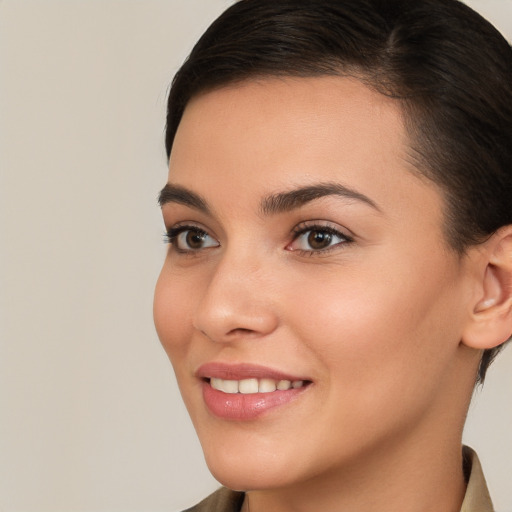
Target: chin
<point>240,476</point>
<point>250,466</point>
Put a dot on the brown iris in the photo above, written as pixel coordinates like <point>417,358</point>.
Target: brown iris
<point>319,239</point>
<point>195,239</point>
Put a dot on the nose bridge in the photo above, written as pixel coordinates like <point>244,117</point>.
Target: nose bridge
<point>236,300</point>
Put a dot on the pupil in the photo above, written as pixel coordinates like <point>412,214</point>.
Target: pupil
<point>194,239</point>
<point>319,239</point>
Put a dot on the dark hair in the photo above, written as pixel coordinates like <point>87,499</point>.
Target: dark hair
<point>450,69</point>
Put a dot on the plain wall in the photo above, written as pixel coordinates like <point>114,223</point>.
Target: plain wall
<point>90,414</point>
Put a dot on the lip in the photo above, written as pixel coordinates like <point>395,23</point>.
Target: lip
<point>243,371</point>
<point>245,407</point>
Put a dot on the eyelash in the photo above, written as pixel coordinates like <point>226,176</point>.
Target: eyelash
<point>172,234</point>
<point>305,228</point>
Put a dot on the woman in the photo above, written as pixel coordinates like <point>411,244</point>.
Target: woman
<point>339,274</point>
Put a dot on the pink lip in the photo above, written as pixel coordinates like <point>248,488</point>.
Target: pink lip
<point>243,371</point>
<point>241,407</point>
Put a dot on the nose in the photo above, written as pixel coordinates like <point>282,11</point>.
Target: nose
<point>237,302</point>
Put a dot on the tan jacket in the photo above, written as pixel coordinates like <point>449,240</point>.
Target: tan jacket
<point>477,497</point>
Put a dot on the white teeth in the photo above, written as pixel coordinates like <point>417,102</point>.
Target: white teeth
<point>230,386</point>
<point>283,385</point>
<point>267,386</point>
<point>227,386</point>
<point>250,386</point>
<point>216,383</point>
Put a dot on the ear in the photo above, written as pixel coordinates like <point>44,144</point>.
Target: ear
<point>491,318</point>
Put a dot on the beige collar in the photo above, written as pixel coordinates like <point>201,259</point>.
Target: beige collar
<point>477,498</point>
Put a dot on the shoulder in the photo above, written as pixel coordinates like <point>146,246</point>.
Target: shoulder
<point>223,500</point>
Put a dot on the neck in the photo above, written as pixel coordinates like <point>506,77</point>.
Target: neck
<point>418,479</point>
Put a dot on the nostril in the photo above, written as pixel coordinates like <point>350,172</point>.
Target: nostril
<point>240,330</point>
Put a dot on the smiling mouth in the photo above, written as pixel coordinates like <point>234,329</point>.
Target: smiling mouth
<point>246,392</point>
<point>253,385</point>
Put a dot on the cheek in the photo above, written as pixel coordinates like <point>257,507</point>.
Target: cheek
<point>382,336</point>
<point>172,307</point>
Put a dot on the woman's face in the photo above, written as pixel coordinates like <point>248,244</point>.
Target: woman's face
<point>306,255</point>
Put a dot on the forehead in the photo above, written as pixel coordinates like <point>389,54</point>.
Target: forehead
<point>258,136</point>
<point>304,107</point>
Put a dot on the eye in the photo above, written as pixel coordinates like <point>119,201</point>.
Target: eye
<point>190,239</point>
<point>317,238</point>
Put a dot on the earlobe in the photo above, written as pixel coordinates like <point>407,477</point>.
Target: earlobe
<point>491,319</point>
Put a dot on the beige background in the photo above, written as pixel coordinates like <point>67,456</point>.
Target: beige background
<point>90,417</point>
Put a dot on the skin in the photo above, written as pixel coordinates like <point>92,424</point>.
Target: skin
<point>375,320</point>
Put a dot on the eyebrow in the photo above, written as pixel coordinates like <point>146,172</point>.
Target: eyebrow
<point>181,195</point>
<point>280,202</point>
<point>287,201</point>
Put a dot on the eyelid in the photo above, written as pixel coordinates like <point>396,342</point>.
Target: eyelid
<point>173,232</point>
<point>320,226</point>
